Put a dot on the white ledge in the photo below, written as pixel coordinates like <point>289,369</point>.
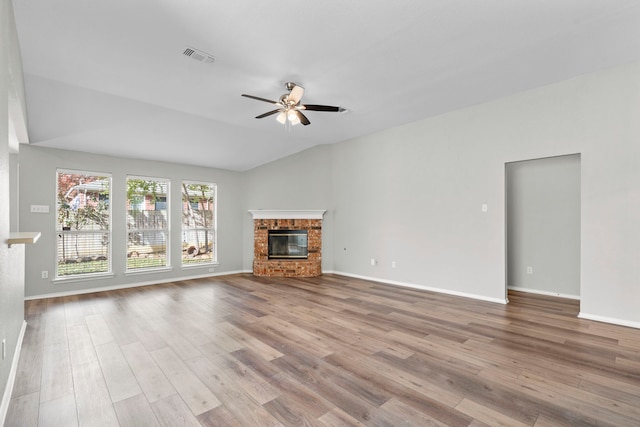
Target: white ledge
<point>23,237</point>
<point>287,214</point>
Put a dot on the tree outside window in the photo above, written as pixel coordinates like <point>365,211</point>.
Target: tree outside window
<point>198,223</point>
<point>147,223</point>
<point>83,229</point>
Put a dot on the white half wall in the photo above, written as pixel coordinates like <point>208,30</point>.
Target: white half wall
<point>11,258</point>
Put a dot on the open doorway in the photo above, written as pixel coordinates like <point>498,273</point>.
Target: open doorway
<point>543,226</point>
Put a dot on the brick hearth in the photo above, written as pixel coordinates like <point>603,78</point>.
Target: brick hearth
<point>263,266</point>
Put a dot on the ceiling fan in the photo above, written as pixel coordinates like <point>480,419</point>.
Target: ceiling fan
<point>289,106</point>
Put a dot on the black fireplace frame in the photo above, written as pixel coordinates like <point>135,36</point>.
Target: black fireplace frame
<point>288,244</point>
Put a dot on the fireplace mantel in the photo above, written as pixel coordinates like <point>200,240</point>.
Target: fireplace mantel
<point>287,214</point>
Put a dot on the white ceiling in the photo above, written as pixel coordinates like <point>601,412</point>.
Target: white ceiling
<point>109,77</point>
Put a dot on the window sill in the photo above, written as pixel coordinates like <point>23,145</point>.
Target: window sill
<point>201,265</point>
<point>147,271</point>
<point>82,278</point>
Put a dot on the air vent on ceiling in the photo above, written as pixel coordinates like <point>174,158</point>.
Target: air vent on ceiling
<point>198,55</point>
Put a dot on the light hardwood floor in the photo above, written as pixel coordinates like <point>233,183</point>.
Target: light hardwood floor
<point>329,351</point>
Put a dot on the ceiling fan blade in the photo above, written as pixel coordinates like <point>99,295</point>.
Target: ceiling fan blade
<point>302,117</point>
<point>296,94</point>
<point>261,99</point>
<point>315,107</point>
<point>267,114</point>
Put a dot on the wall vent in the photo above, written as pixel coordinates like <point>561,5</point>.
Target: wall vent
<point>198,55</point>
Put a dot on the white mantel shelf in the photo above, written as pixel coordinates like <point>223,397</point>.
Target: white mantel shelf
<point>286,214</point>
<point>23,237</point>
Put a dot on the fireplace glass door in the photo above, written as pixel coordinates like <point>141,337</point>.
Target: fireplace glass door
<point>285,244</point>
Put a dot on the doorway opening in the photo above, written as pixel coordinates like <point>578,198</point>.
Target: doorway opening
<point>543,226</point>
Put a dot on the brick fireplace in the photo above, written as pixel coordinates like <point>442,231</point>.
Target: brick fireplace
<point>309,221</point>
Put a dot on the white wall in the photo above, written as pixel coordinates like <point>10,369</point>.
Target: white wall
<point>413,194</point>
<point>38,167</point>
<point>543,225</point>
<point>11,259</point>
<point>14,159</point>
<point>298,182</point>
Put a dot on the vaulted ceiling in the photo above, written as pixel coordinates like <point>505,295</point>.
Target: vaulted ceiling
<point>110,77</point>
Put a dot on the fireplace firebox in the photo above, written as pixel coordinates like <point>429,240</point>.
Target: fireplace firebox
<point>286,244</point>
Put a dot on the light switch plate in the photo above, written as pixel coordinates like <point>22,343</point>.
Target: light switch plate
<point>39,208</point>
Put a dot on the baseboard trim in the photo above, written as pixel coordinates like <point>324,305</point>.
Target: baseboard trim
<point>128,285</point>
<point>547,293</point>
<point>611,320</point>
<point>421,287</point>
<point>8,390</point>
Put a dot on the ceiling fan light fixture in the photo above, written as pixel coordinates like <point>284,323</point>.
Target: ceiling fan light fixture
<point>293,117</point>
<point>282,118</point>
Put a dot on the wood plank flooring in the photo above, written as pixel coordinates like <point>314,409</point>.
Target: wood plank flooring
<point>330,351</point>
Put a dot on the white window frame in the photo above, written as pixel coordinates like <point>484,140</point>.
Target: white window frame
<point>60,231</point>
<point>167,230</point>
<point>213,228</point>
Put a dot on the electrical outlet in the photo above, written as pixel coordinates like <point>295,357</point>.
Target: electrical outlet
<point>393,264</point>
<point>529,270</point>
<point>373,262</point>
<point>484,208</point>
<point>45,274</point>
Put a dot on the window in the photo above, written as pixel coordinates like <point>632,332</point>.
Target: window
<point>198,223</point>
<point>147,223</point>
<point>83,224</point>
